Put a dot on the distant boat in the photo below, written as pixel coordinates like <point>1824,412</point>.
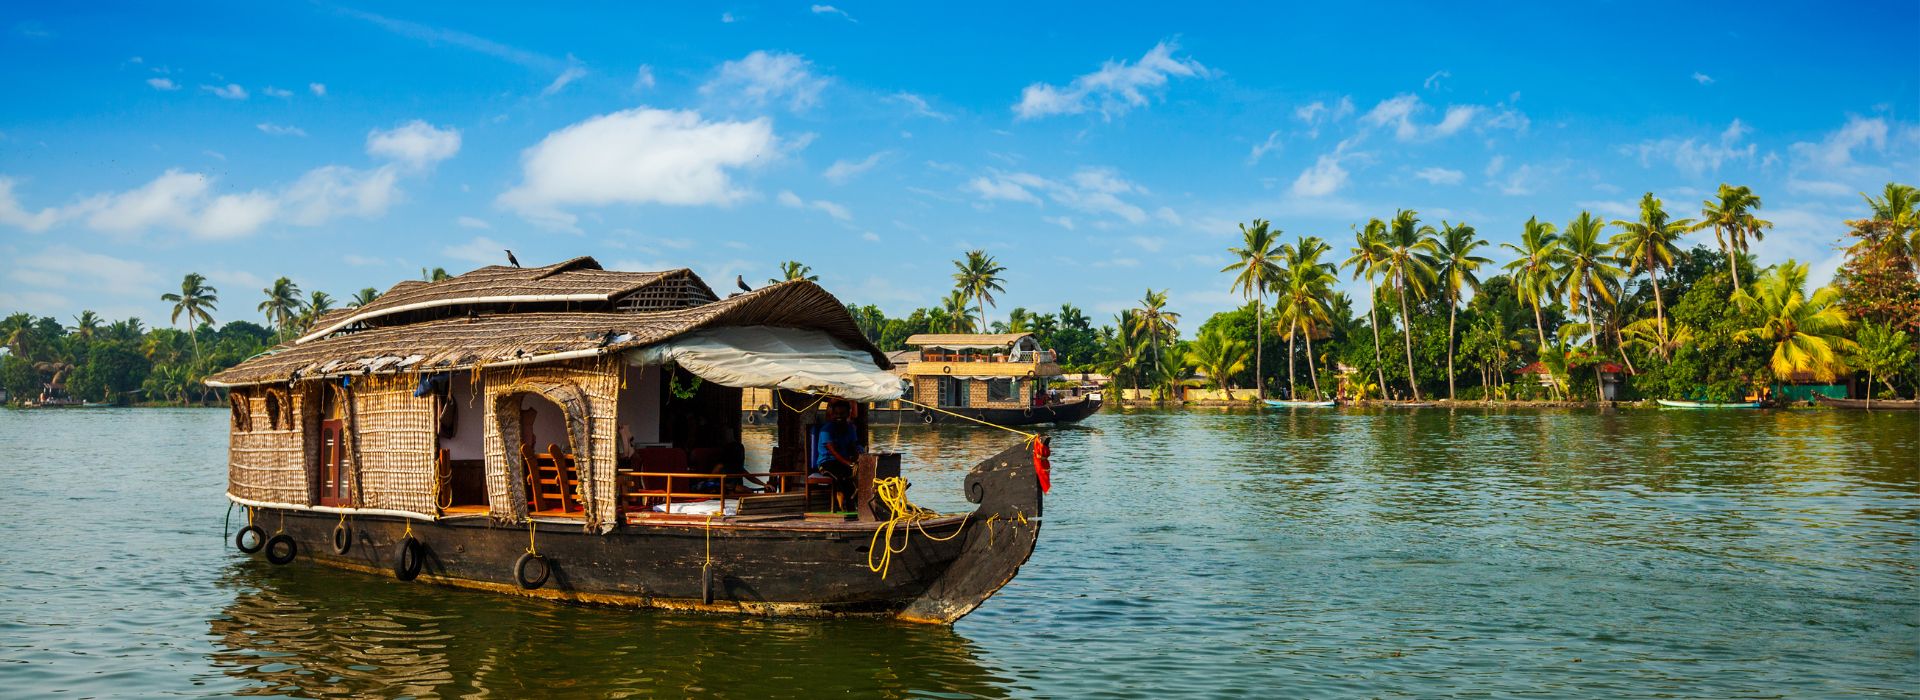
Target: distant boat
<point>1277,403</point>
<point>1670,403</point>
<point>1411,404</point>
<point>1880,405</point>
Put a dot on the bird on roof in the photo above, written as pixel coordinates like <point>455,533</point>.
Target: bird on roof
<point>511,259</point>
<point>742,281</point>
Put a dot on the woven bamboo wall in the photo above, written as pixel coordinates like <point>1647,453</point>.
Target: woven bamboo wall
<point>394,441</point>
<point>588,391</point>
<point>266,463</point>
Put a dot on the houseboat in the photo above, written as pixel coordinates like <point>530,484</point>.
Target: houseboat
<point>961,378</point>
<point>572,433</point>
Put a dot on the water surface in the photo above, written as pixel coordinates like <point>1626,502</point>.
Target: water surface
<point>1501,553</point>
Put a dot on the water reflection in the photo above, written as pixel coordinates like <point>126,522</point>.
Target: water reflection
<point>313,632</point>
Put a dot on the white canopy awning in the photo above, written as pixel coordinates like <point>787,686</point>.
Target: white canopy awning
<point>766,357</point>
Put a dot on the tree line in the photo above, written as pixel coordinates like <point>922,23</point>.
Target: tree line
<point>1572,304</point>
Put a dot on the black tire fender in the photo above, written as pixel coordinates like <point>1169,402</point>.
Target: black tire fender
<point>407,559</point>
<point>274,544</point>
<point>342,538</point>
<point>259,539</point>
<point>535,562</point>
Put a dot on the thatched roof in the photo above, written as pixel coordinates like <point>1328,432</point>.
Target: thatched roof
<point>579,281</point>
<point>965,340</point>
<point>537,337</point>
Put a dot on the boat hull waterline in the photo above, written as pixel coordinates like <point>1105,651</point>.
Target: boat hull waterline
<point>1277,403</point>
<point>1670,403</point>
<point>950,565</point>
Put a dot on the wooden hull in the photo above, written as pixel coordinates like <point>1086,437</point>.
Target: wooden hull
<point>1277,403</point>
<point>1895,405</point>
<point>786,567</point>
<point>1669,403</point>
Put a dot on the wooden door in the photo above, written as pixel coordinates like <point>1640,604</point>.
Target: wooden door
<point>335,488</point>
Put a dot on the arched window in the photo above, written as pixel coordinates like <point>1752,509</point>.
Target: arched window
<point>242,412</point>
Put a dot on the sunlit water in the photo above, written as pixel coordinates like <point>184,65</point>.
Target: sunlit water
<point>1310,553</point>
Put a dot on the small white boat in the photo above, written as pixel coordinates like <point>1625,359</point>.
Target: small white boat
<point>1277,403</point>
<point>1670,403</point>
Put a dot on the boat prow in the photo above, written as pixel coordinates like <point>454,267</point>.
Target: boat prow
<point>1876,405</point>
<point>998,539</point>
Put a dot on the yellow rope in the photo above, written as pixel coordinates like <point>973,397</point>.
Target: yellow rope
<point>783,401</point>
<point>709,529</point>
<point>530,549</point>
<point>892,492</point>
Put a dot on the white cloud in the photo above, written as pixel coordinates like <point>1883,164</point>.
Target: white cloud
<point>843,170</point>
<point>1441,176</point>
<point>1262,149</point>
<point>1089,190</point>
<point>66,267</point>
<point>479,251</point>
<point>1065,222</point>
<point>416,144</point>
<point>1495,164</point>
<point>919,105</point>
<point>831,10</point>
<point>1317,112</point>
<point>762,77</point>
<point>836,211</point>
<point>1113,89</point>
<point>1694,156</point>
<point>1702,78</point>
<point>1433,81</point>
<point>12,214</point>
<point>643,78</point>
<point>280,130</point>
<point>1834,153</point>
<point>472,222</point>
<point>726,18</point>
<point>318,89</point>
<point>1611,209</point>
<point>1322,179</point>
<point>870,237</point>
<point>1519,181</point>
<point>186,201</point>
<point>230,91</point>
<point>163,84</point>
<point>573,71</point>
<point>638,156</point>
<point>272,91</point>
<point>1400,112</point>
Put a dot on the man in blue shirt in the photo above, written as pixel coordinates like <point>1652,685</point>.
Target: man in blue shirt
<point>836,443</point>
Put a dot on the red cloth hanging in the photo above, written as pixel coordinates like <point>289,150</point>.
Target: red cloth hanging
<point>1040,464</point>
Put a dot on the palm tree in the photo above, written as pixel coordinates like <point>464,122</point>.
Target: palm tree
<point>1153,320</point>
<point>959,316</point>
<point>1732,221</point>
<point>979,277</point>
<point>1457,265</point>
<point>1899,206</point>
<point>282,304</point>
<point>198,301</point>
<point>1409,259</point>
<point>1588,276</point>
<point>1365,260</point>
<point>1121,354</point>
<point>1806,333</point>
<point>1255,274</point>
<point>792,270</point>
<point>86,325</point>
<point>1648,244</point>
<point>1218,355</point>
<point>363,297</point>
<point>435,275</point>
<point>1534,271</point>
<point>317,304</point>
<point>1304,285</point>
<point>1884,351</point>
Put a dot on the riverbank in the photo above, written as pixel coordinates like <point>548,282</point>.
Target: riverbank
<point>1432,403</point>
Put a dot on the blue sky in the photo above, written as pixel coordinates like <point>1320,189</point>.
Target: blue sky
<point>1096,150</point>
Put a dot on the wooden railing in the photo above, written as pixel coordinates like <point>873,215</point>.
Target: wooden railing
<point>633,485</point>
